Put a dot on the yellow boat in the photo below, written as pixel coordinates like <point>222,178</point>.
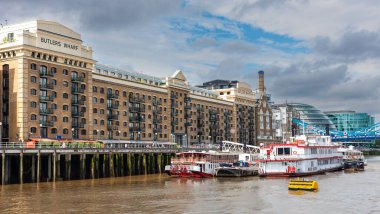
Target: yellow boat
<point>302,185</point>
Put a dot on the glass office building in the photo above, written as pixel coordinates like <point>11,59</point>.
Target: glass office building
<point>310,115</point>
<point>350,120</point>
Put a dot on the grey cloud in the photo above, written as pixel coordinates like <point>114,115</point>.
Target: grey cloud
<point>351,46</point>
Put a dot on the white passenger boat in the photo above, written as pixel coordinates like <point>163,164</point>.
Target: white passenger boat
<point>301,156</point>
<point>353,159</point>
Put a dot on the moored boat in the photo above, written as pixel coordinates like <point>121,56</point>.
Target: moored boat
<point>198,164</point>
<point>301,156</point>
<point>353,159</point>
<point>245,167</point>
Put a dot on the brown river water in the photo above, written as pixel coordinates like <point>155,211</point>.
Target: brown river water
<point>339,192</point>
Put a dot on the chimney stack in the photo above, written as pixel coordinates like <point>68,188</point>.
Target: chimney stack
<point>261,81</point>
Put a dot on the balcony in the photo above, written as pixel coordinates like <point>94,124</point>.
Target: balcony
<point>113,117</point>
<point>46,123</point>
<point>174,123</point>
<point>187,107</point>
<point>46,111</point>
<point>173,113</point>
<point>46,74</point>
<point>200,124</point>
<point>187,116</point>
<point>77,79</point>
<point>187,99</point>
<point>137,129</point>
<point>200,109</point>
<point>157,111</point>
<point>174,105</point>
<point>157,120</point>
<point>136,109</point>
<point>112,127</point>
<point>77,125</point>
<point>77,90</point>
<point>213,118</point>
<point>157,130</point>
<point>173,96</point>
<point>137,119</point>
<point>77,102</point>
<point>46,86</point>
<point>200,117</point>
<point>188,124</point>
<point>46,99</point>
<point>77,114</point>
<point>157,102</point>
<point>112,106</point>
<point>111,96</point>
<point>136,100</point>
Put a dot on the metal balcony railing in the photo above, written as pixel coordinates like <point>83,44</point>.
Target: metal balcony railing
<point>77,79</point>
<point>46,111</point>
<point>46,99</point>
<point>46,86</point>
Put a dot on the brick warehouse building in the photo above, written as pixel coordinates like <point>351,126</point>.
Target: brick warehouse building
<point>52,88</point>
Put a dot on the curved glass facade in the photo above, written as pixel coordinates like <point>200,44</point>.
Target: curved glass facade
<point>311,115</point>
<point>350,120</point>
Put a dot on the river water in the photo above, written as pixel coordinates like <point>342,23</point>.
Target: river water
<point>339,192</point>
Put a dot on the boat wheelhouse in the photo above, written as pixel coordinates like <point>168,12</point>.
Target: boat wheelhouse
<point>198,164</point>
<point>301,156</point>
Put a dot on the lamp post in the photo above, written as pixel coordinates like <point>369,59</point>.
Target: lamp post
<point>186,141</point>
<point>72,133</point>
<point>1,130</point>
<point>155,138</point>
<point>40,131</point>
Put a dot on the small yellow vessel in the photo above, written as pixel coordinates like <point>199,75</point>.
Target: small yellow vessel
<point>302,185</point>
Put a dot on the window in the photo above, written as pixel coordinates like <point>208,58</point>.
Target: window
<point>33,91</point>
<point>95,110</point>
<point>33,79</point>
<point>102,90</point>
<point>33,130</point>
<point>54,131</point>
<point>101,100</point>
<point>65,84</point>
<point>54,118</point>
<point>53,70</point>
<point>54,94</point>
<point>65,119</point>
<point>101,111</point>
<point>95,121</point>
<point>65,131</point>
<point>65,72</point>
<point>94,89</point>
<point>33,66</point>
<point>54,106</point>
<point>83,132</point>
<point>33,117</point>
<point>102,132</point>
<point>95,132</point>
<point>124,94</point>
<point>94,100</point>
<point>33,104</point>
<point>102,122</point>
<point>65,95</point>
<point>283,151</point>
<point>65,107</point>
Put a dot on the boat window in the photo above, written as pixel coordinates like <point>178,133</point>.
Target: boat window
<point>283,151</point>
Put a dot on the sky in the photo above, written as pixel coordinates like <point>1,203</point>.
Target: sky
<point>324,53</point>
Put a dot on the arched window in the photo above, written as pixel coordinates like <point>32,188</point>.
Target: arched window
<point>101,100</point>
<point>54,131</point>
<point>33,91</point>
<point>33,117</point>
<point>102,122</point>
<point>53,70</point>
<point>65,131</point>
<point>94,89</point>
<point>125,134</point>
<point>65,95</point>
<point>124,94</point>
<point>102,132</point>
<point>95,110</point>
<point>54,118</point>
<point>95,121</point>
<point>65,84</point>
<point>95,132</point>
<point>94,100</point>
<point>101,111</point>
<point>33,104</point>
<point>43,69</point>
<point>33,66</point>
<point>33,79</point>
<point>65,119</point>
<point>54,106</point>
<point>65,72</point>
<point>33,130</point>
<point>65,107</point>
<point>83,132</point>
